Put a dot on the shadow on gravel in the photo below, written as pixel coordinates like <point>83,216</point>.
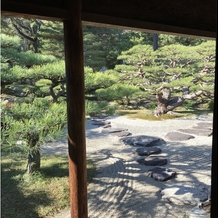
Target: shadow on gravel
<point>126,186</point>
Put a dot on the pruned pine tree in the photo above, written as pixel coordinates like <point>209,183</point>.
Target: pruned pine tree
<point>173,73</point>
<point>51,37</point>
<point>28,76</point>
<point>26,73</point>
<point>27,126</point>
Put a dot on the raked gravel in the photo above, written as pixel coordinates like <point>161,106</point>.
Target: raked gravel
<point>122,188</point>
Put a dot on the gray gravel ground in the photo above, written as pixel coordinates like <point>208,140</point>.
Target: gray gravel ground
<point>122,188</point>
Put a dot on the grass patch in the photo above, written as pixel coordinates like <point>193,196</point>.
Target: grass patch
<point>39,195</point>
<point>147,114</point>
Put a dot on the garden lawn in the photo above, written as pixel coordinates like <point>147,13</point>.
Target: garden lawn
<point>37,195</point>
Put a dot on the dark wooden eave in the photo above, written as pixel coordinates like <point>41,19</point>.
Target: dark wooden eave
<point>184,17</point>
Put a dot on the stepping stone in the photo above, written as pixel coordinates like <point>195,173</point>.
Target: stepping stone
<point>143,140</point>
<point>113,130</point>
<point>153,161</point>
<point>199,132</point>
<point>121,134</point>
<point>196,212</point>
<point>100,116</point>
<point>147,151</point>
<point>181,194</point>
<point>161,174</point>
<point>177,136</point>
<point>107,126</point>
<point>100,123</point>
<point>203,125</point>
<point>97,119</point>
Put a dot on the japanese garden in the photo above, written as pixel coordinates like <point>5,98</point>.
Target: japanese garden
<point>151,76</point>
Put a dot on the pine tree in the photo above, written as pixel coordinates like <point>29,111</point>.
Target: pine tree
<point>174,73</point>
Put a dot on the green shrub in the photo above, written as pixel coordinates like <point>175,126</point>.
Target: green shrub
<point>99,107</point>
<point>188,104</point>
<point>211,105</point>
<point>118,92</point>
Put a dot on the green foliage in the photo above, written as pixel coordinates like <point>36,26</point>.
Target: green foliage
<point>88,70</point>
<point>25,59</point>
<point>38,80</point>
<point>211,105</point>
<point>152,106</point>
<point>97,80</point>
<point>137,54</point>
<point>183,40</point>
<point>188,105</point>
<point>172,66</point>
<point>51,39</point>
<point>12,75</point>
<point>103,45</point>
<point>40,117</point>
<point>43,85</point>
<point>11,44</point>
<point>51,71</point>
<point>10,41</point>
<point>31,59</point>
<point>99,107</point>
<point>23,64</point>
<point>119,92</point>
<point>33,64</point>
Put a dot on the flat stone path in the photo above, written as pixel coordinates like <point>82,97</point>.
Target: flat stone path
<point>122,187</point>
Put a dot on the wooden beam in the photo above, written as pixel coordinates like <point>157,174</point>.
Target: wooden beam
<point>73,37</point>
<point>183,16</point>
<point>143,26</point>
<point>35,11</point>
<point>190,18</point>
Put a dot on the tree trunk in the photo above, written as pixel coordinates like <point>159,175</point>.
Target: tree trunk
<point>155,41</point>
<point>161,105</point>
<point>165,103</point>
<point>34,154</point>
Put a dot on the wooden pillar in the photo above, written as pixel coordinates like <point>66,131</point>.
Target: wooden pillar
<point>214,147</point>
<point>76,110</point>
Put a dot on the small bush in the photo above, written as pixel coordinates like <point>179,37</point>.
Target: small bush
<point>188,104</point>
<point>99,107</point>
<point>211,105</point>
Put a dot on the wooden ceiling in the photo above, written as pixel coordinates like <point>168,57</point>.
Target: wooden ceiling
<point>184,17</point>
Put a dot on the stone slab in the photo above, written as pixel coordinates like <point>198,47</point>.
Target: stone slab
<point>181,194</point>
<point>177,136</point>
<point>143,140</point>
